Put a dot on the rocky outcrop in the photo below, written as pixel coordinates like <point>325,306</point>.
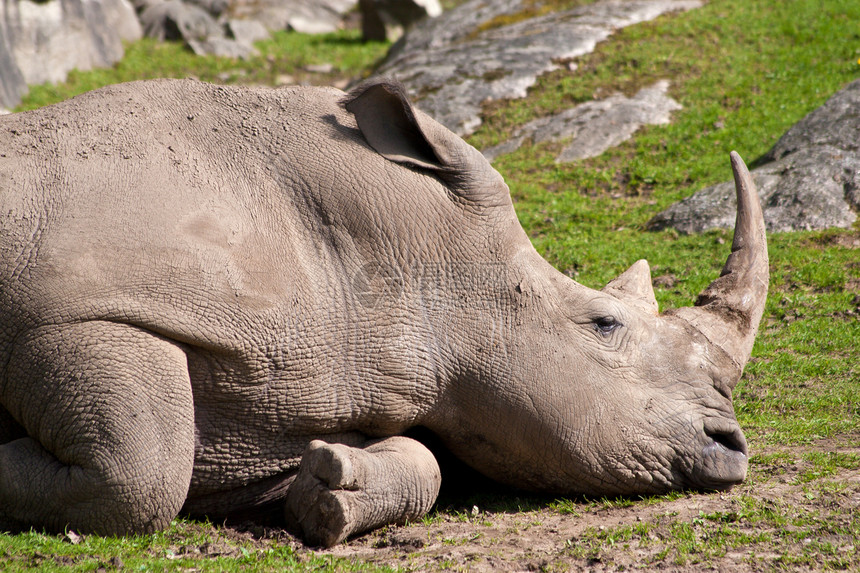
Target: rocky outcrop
<point>595,126</point>
<point>489,50</point>
<point>809,180</point>
<point>389,19</point>
<point>43,41</point>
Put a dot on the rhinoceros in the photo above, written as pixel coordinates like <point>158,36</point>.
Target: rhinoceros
<point>216,299</point>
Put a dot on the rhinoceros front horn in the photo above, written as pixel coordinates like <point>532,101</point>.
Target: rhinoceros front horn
<point>729,310</point>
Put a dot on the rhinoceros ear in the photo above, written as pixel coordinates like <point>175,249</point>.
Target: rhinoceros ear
<point>402,134</point>
<point>634,286</point>
<point>388,123</point>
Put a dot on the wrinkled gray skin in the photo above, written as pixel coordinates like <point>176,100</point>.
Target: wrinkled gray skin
<point>215,298</point>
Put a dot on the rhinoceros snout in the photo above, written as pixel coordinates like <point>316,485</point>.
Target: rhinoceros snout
<point>723,460</point>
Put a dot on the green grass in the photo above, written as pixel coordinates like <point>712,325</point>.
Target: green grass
<point>745,71</point>
<point>184,546</point>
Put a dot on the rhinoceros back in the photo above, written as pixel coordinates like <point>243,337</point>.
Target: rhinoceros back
<point>165,203</point>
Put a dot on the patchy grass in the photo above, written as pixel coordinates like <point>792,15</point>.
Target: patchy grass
<point>744,70</point>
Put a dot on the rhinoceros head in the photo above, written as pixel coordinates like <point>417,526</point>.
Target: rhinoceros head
<point>554,386</point>
<point>604,394</point>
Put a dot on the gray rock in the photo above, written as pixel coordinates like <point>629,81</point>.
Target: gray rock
<point>214,7</point>
<point>12,84</point>
<point>387,19</point>
<point>456,25</point>
<point>121,19</point>
<point>453,65</point>
<point>177,20</point>
<point>308,16</point>
<point>324,68</point>
<point>217,45</point>
<point>247,31</point>
<point>836,123</point>
<point>810,178</point>
<point>205,27</point>
<point>595,126</point>
<point>141,5</point>
<point>43,41</point>
<point>51,38</point>
<point>194,25</point>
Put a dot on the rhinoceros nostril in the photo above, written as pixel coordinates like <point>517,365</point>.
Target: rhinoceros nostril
<point>731,441</point>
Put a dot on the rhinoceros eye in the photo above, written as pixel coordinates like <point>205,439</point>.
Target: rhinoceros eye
<point>605,325</point>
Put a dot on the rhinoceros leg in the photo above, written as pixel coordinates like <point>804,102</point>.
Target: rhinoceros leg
<point>341,490</point>
<point>110,429</point>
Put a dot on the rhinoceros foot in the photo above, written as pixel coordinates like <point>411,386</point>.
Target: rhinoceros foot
<point>340,490</point>
<point>319,500</point>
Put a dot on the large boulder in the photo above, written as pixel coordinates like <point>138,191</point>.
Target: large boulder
<point>42,41</point>
<point>809,180</point>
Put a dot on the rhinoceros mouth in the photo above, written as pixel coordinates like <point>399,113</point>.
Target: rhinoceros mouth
<point>722,461</point>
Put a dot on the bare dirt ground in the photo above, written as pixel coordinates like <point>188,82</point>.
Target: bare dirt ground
<point>791,514</point>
